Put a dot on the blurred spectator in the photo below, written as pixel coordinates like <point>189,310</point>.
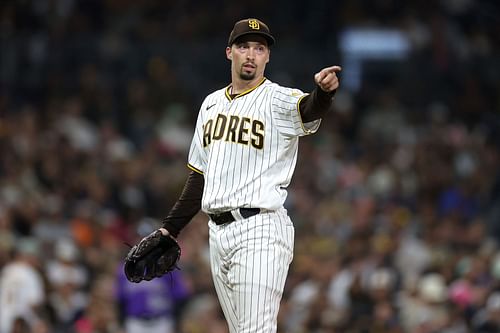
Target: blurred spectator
<point>66,268</point>
<point>68,280</point>
<point>99,314</point>
<point>425,309</point>
<point>20,325</point>
<point>22,290</point>
<point>152,306</point>
<point>203,314</point>
<point>488,320</point>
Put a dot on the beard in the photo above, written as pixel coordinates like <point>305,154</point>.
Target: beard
<point>247,76</point>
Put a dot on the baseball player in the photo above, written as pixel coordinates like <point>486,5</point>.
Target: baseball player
<point>242,157</point>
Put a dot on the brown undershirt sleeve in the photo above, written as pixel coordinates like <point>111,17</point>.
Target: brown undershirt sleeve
<point>316,104</point>
<point>187,206</point>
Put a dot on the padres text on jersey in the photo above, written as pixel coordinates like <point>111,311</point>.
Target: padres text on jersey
<point>235,129</point>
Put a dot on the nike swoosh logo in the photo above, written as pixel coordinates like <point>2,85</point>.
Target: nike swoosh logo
<point>210,106</point>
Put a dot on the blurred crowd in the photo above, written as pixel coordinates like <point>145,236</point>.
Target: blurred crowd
<point>396,200</point>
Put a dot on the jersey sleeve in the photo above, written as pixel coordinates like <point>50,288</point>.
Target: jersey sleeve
<point>286,110</point>
<point>197,157</point>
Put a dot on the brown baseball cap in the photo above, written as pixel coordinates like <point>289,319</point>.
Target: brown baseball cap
<point>250,26</point>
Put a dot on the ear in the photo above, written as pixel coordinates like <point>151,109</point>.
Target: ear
<point>229,54</point>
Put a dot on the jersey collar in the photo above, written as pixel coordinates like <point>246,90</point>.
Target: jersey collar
<point>228,90</point>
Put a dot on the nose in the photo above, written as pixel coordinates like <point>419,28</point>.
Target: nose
<point>251,53</point>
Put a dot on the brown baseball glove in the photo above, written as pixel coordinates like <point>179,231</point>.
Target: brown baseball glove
<point>154,256</point>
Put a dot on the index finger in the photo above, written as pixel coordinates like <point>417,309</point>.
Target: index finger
<point>332,69</point>
<point>325,71</point>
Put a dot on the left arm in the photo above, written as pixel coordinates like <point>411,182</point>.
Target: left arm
<point>315,105</point>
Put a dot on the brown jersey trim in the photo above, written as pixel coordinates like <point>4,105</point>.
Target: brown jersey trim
<point>230,97</point>
<point>300,114</point>
<point>194,169</point>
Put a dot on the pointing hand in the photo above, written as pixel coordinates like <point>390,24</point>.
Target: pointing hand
<point>327,78</point>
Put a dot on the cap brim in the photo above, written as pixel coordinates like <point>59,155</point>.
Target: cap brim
<point>270,39</point>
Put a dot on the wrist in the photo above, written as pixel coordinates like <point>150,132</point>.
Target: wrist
<point>325,95</point>
<point>164,231</point>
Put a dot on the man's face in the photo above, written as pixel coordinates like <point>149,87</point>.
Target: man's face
<point>249,56</point>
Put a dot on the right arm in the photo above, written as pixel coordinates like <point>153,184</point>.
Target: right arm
<point>186,207</point>
<point>189,202</point>
<point>317,104</point>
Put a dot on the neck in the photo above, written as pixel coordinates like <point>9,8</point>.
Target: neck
<point>238,85</point>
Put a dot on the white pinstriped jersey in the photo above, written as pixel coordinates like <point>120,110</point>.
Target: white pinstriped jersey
<point>246,146</point>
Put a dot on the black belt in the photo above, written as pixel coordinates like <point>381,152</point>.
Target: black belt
<point>227,217</point>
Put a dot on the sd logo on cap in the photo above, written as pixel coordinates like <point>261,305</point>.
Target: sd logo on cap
<point>250,26</point>
<point>254,24</point>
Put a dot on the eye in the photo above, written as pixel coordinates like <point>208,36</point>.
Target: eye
<point>242,46</point>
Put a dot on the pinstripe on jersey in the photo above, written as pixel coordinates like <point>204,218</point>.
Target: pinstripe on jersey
<point>246,146</point>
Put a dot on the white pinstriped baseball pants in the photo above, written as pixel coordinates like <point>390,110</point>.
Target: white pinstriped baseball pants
<point>249,261</point>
